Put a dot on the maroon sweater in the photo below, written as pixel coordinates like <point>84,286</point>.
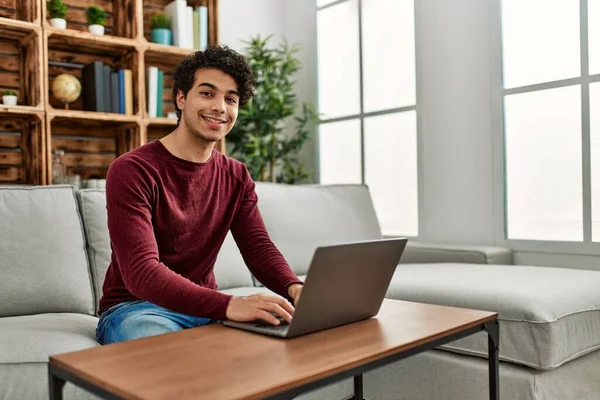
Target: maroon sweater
<point>167,220</point>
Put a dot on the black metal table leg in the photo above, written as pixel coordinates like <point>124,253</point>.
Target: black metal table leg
<point>56,385</point>
<point>493,330</point>
<point>358,387</point>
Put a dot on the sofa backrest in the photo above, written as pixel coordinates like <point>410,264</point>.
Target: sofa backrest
<point>230,270</point>
<point>43,262</point>
<point>300,218</point>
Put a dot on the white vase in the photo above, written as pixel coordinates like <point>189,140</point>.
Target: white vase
<point>9,100</point>
<point>96,29</point>
<point>59,23</point>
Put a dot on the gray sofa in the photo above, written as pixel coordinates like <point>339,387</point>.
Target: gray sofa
<point>54,251</point>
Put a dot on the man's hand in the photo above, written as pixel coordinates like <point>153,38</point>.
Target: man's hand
<point>294,291</point>
<point>259,306</point>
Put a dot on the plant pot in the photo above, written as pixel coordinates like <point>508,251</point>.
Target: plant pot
<point>96,29</point>
<point>162,36</point>
<point>59,23</point>
<point>9,100</point>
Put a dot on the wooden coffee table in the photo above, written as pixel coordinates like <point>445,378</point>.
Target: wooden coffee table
<point>217,362</point>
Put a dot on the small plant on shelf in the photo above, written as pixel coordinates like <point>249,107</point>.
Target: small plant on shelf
<point>161,28</point>
<point>57,10</point>
<point>9,98</point>
<point>96,18</point>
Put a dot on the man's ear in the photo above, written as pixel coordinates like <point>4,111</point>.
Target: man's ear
<point>180,99</point>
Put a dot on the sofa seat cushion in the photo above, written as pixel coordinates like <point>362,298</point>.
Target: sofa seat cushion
<point>548,316</point>
<point>32,338</point>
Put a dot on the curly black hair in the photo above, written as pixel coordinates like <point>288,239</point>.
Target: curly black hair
<point>218,57</point>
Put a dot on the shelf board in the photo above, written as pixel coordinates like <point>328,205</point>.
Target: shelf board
<point>18,30</point>
<point>27,110</point>
<point>160,121</point>
<point>92,116</point>
<point>164,54</point>
<point>87,42</point>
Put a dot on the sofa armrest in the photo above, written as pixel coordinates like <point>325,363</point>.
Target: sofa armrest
<point>419,252</point>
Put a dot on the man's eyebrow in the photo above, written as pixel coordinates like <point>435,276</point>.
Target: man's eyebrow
<point>213,87</point>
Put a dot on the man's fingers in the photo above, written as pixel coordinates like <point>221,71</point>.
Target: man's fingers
<point>277,309</point>
<point>281,301</point>
<point>265,316</point>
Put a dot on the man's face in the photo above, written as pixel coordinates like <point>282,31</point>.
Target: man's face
<point>210,108</point>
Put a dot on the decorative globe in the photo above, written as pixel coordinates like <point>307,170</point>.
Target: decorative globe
<point>66,88</point>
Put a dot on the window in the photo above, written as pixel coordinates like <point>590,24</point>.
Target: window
<point>551,122</point>
<point>366,95</point>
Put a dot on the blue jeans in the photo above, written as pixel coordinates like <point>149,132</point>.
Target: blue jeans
<point>137,319</point>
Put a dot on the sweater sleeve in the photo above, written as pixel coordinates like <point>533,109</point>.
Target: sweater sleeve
<point>261,256</point>
<point>129,193</point>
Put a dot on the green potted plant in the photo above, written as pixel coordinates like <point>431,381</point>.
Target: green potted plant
<point>263,137</point>
<point>96,17</point>
<point>57,10</point>
<point>161,28</point>
<point>9,98</point>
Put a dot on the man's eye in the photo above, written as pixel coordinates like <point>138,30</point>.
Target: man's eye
<point>231,100</point>
<point>205,93</point>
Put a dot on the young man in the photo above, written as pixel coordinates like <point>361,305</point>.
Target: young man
<point>170,205</point>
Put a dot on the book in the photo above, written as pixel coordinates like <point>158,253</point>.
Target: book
<point>114,92</point>
<point>203,27</point>
<point>121,91</point>
<point>128,92</point>
<point>152,78</point>
<point>159,93</point>
<point>93,86</point>
<point>196,29</point>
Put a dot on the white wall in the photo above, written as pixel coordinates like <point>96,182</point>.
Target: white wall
<point>453,67</point>
<point>241,19</point>
<point>293,19</point>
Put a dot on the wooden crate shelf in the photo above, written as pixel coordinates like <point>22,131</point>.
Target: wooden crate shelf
<point>22,149</point>
<point>88,116</point>
<point>91,145</point>
<point>21,60</point>
<point>120,22</point>
<point>68,53</point>
<point>33,53</point>
<point>161,122</point>
<point>20,10</point>
<point>151,6</point>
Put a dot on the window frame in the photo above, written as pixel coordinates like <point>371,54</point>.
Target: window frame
<point>586,247</point>
<point>362,115</point>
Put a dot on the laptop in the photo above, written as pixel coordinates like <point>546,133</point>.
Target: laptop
<point>346,283</point>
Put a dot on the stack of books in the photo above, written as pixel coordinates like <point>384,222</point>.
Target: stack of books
<point>189,24</point>
<point>105,89</point>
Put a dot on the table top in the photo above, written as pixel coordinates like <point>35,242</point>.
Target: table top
<point>217,362</point>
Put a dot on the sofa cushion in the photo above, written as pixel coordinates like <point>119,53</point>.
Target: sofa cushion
<point>230,269</point>
<point>32,338</point>
<point>43,262</point>
<point>299,218</point>
<point>548,316</point>
<point>92,203</point>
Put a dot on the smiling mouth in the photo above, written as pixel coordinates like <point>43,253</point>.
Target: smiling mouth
<point>213,120</point>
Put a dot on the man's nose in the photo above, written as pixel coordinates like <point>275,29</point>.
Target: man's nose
<point>218,104</point>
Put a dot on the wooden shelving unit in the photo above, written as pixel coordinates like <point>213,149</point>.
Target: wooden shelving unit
<point>33,53</point>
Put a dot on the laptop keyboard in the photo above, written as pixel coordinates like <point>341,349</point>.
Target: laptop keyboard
<point>283,324</point>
